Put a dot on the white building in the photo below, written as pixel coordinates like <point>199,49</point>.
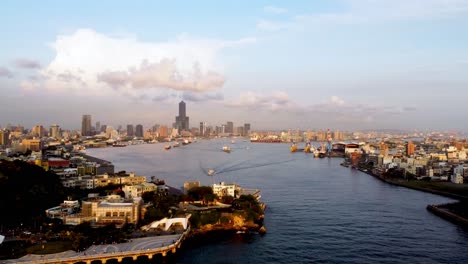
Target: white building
<point>223,189</point>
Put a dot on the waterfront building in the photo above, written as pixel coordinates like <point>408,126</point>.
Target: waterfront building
<point>163,131</point>
<point>383,149</point>
<point>226,189</point>
<point>86,125</point>
<point>246,129</point>
<point>139,130</point>
<point>106,210</point>
<point>182,120</point>
<point>229,129</point>
<point>130,132</point>
<point>202,131</point>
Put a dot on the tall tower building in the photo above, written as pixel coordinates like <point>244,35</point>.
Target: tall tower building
<point>229,127</point>
<point>130,132</point>
<point>39,131</point>
<point>246,129</point>
<point>98,127</point>
<point>182,120</point>
<point>55,131</point>
<point>4,138</point>
<point>202,129</point>
<point>410,148</point>
<point>86,125</point>
<point>139,130</point>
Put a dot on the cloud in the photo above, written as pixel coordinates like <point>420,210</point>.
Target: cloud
<point>27,64</point>
<point>274,10</point>
<point>340,110</point>
<point>372,11</point>
<point>92,63</point>
<point>198,97</point>
<point>273,102</point>
<point>4,72</point>
<point>164,74</point>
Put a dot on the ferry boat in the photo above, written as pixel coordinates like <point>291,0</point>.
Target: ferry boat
<point>226,149</point>
<point>167,147</point>
<point>119,144</point>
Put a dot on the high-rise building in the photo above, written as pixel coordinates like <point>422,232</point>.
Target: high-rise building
<point>182,120</point>
<point>229,127</point>
<point>4,137</point>
<point>246,129</point>
<point>98,127</point>
<point>55,131</point>
<point>38,131</point>
<point>130,132</point>
<point>86,126</point>
<point>139,130</point>
<point>410,147</point>
<point>202,129</point>
<point>163,131</point>
<point>103,128</point>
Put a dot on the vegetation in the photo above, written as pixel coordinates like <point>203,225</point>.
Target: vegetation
<point>202,193</point>
<point>28,190</point>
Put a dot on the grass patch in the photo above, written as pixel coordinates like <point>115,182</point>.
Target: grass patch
<point>50,247</point>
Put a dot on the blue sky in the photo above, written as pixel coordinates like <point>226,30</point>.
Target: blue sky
<point>340,64</point>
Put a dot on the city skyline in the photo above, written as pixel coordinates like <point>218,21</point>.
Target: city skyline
<point>339,64</point>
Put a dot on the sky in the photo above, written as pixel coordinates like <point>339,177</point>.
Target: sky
<point>338,64</point>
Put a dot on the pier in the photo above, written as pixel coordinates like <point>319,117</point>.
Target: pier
<point>146,248</point>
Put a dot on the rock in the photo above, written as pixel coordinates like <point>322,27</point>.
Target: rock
<point>262,230</point>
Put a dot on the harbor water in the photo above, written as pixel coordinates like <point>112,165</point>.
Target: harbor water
<point>317,211</point>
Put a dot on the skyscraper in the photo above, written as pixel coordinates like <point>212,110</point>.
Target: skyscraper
<point>55,131</point>
<point>202,129</point>
<point>4,138</point>
<point>410,147</point>
<point>139,130</point>
<point>182,120</point>
<point>98,127</point>
<point>130,132</point>
<point>38,131</point>
<point>86,125</point>
<point>246,129</point>
<point>229,127</point>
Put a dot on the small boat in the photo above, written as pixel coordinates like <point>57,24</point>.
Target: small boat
<point>167,147</point>
<point>210,172</point>
<point>119,144</point>
<point>226,149</point>
<point>307,148</point>
<point>293,147</point>
<point>176,144</point>
<point>233,141</point>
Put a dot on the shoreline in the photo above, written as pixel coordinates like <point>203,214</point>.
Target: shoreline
<point>435,209</point>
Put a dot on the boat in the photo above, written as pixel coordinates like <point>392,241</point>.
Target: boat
<point>210,172</point>
<point>119,144</point>
<point>167,147</point>
<point>307,148</point>
<point>185,142</point>
<point>176,144</point>
<point>293,147</point>
<point>226,149</point>
<point>233,141</point>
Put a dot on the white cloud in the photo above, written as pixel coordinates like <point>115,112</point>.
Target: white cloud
<point>367,11</point>
<point>272,102</point>
<point>89,62</point>
<point>275,10</point>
